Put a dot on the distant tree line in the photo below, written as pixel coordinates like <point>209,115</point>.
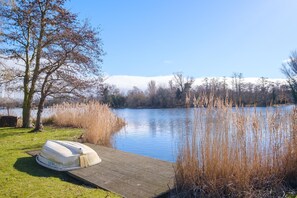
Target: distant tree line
<point>180,92</point>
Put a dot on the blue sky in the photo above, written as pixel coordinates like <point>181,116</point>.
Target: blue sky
<point>201,38</point>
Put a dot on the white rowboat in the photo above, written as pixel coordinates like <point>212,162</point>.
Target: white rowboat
<point>66,155</point>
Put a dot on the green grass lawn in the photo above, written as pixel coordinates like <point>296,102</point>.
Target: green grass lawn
<point>21,176</point>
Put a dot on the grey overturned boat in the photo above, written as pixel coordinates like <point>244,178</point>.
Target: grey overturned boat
<point>66,155</point>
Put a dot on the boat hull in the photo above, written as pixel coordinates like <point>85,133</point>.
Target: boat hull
<point>66,155</point>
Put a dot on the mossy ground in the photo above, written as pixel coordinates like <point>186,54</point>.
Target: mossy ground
<point>21,176</point>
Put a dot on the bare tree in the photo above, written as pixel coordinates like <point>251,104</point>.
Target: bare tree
<point>183,86</point>
<point>70,65</point>
<point>152,90</point>
<point>53,46</point>
<point>136,98</point>
<point>237,83</point>
<point>289,69</point>
<point>263,91</point>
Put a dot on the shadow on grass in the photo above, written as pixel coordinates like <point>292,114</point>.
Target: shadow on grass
<point>4,134</point>
<point>29,165</point>
<point>5,129</point>
<point>27,149</point>
<point>33,147</point>
<point>10,131</point>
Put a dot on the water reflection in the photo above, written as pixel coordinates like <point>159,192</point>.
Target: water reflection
<point>157,133</point>
<point>153,132</point>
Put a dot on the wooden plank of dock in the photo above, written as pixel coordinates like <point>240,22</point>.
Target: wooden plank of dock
<point>127,174</point>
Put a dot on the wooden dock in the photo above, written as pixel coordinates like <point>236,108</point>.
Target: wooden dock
<point>127,174</point>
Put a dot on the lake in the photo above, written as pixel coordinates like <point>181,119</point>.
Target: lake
<point>157,132</point>
<point>153,132</point>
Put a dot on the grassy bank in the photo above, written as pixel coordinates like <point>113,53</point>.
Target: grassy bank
<point>21,176</point>
<point>237,152</point>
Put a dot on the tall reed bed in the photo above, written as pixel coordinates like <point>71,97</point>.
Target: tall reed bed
<point>97,120</point>
<point>238,152</point>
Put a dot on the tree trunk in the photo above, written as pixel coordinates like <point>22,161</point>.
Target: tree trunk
<point>26,114</point>
<point>29,92</point>
<point>38,124</point>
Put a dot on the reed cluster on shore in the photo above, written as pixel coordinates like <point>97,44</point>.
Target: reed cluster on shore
<point>238,152</point>
<point>97,120</point>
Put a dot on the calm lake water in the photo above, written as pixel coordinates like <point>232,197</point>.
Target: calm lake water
<point>157,132</point>
<point>153,132</point>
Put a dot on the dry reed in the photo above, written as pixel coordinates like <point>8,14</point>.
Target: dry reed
<point>97,120</point>
<point>238,152</point>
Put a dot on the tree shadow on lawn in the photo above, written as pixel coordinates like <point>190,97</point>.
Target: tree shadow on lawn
<point>8,131</point>
<point>29,165</point>
<point>27,149</point>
